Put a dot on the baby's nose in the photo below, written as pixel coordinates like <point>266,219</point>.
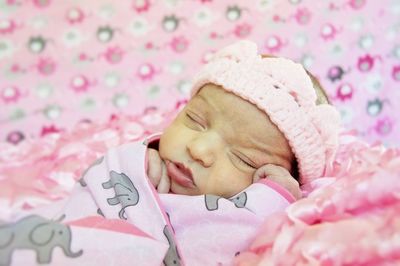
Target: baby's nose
<point>204,148</point>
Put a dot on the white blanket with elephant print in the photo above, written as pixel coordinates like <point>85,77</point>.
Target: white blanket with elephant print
<point>114,216</point>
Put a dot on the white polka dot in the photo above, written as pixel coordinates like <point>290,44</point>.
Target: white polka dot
<point>327,30</point>
<point>140,3</point>
<point>121,100</point>
<point>5,24</point>
<point>9,92</point>
<point>345,89</point>
<point>300,40</point>
<point>272,42</point>
<point>397,52</point>
<point>366,42</point>
<point>176,67</point>
<point>144,70</point>
<point>43,91</point>
<point>53,112</point>
<point>36,46</point>
<point>104,36</point>
<point>78,81</point>
<point>307,61</point>
<point>185,87</point>
<point>169,25</point>
<point>357,24</point>
<point>73,14</point>
<point>373,109</point>
<point>233,15</point>
<point>111,80</point>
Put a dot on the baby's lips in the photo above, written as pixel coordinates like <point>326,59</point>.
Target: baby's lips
<point>180,174</point>
<point>185,170</point>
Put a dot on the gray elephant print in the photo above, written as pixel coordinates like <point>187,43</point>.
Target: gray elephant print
<point>36,233</point>
<point>211,201</point>
<point>96,162</point>
<point>240,200</point>
<point>172,257</point>
<point>100,212</point>
<point>82,182</point>
<point>125,192</point>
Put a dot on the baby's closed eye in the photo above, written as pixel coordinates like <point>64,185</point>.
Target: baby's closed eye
<point>196,119</point>
<point>244,160</point>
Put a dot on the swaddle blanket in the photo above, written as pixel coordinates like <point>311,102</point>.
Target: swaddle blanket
<point>114,216</point>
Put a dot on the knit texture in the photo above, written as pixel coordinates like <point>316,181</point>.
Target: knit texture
<point>284,91</point>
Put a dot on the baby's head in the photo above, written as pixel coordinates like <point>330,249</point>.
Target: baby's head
<point>247,111</point>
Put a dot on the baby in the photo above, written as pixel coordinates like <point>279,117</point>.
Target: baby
<point>242,125</point>
<point>254,130</point>
<point>220,144</point>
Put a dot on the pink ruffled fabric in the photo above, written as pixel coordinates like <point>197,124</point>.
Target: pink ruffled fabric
<point>350,217</point>
<point>38,171</point>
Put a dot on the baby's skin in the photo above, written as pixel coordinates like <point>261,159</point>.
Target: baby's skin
<point>220,144</point>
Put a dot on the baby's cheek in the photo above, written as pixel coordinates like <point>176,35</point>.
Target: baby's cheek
<point>168,140</point>
<point>233,181</point>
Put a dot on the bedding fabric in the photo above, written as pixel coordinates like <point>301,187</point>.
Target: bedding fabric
<point>115,204</point>
<point>350,217</point>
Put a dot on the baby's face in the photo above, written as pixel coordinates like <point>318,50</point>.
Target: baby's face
<point>217,142</point>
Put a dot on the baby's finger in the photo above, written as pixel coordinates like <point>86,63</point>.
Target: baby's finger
<point>154,169</point>
<point>269,170</point>
<point>165,183</point>
<point>279,175</point>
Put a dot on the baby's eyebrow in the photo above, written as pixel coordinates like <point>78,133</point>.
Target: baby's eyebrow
<point>259,147</point>
<point>207,101</point>
<point>204,99</point>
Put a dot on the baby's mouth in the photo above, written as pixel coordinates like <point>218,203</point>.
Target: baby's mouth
<point>180,174</point>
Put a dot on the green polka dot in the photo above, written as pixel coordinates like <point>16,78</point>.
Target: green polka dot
<point>153,91</point>
<point>106,11</point>
<point>44,90</point>
<point>396,51</point>
<point>70,35</point>
<point>112,79</point>
<point>88,103</point>
<point>17,114</point>
<point>3,46</point>
<point>336,49</point>
<point>176,67</point>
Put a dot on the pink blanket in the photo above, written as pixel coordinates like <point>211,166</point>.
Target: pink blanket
<point>161,228</point>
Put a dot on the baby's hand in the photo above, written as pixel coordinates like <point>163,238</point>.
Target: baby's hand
<point>280,176</point>
<point>157,171</point>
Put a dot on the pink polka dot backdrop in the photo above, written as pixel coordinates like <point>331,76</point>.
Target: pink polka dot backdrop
<point>62,62</point>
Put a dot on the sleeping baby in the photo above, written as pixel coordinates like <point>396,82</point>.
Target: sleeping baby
<point>254,131</point>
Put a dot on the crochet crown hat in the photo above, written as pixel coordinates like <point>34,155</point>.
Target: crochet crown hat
<point>284,91</point>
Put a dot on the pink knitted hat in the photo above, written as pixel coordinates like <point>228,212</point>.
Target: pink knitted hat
<point>285,92</point>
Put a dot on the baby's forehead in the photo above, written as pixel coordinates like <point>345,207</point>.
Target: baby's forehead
<point>241,117</point>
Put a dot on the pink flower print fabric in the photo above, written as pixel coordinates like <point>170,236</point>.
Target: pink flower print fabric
<point>62,62</point>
